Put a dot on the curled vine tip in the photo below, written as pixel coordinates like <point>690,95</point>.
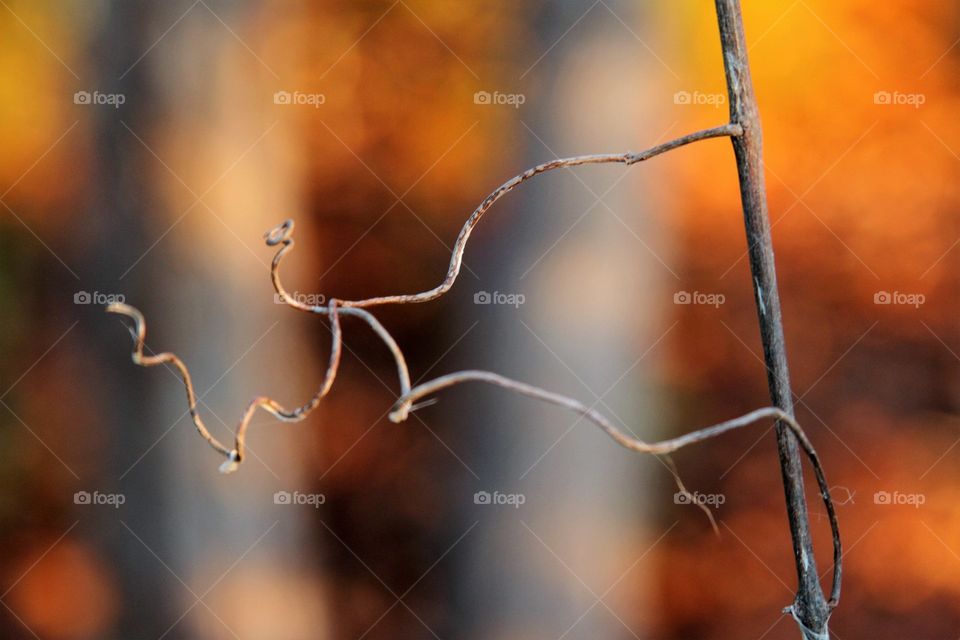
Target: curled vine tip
<point>139,325</point>
<point>124,309</point>
<point>231,464</point>
<point>280,233</point>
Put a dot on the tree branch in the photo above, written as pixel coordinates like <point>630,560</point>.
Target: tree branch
<point>748,161</point>
<point>810,609</point>
<point>661,448</point>
<point>456,260</point>
<point>282,235</point>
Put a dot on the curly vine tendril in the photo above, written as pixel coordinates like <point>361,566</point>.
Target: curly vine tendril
<point>334,309</point>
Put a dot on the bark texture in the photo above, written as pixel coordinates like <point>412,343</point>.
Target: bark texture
<point>810,608</point>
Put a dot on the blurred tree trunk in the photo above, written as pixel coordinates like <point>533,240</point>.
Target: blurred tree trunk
<point>119,219</point>
<point>582,298</point>
<point>195,98</point>
<point>222,128</point>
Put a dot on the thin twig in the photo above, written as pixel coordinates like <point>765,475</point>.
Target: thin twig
<point>810,608</point>
<point>235,455</point>
<point>660,448</point>
<point>139,333</point>
<point>456,260</point>
<point>282,234</point>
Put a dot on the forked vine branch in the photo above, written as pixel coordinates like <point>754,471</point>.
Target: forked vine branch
<point>810,609</point>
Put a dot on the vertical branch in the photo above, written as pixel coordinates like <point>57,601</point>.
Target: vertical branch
<point>810,608</point>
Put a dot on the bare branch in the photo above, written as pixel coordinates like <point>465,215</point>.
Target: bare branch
<point>140,332</point>
<point>810,609</point>
<point>660,448</point>
<point>282,234</point>
<point>235,455</point>
<point>456,260</point>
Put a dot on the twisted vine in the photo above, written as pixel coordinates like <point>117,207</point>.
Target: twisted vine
<point>334,309</point>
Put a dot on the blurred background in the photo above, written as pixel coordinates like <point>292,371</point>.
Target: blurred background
<point>147,147</point>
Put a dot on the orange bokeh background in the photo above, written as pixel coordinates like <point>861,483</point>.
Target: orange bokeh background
<point>863,200</point>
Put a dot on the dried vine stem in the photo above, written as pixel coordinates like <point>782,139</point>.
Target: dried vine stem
<point>456,260</point>
<point>810,609</point>
<point>661,448</point>
<point>282,235</point>
<point>234,456</point>
<point>139,333</point>
<point>278,235</point>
